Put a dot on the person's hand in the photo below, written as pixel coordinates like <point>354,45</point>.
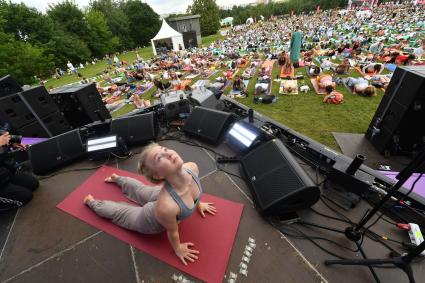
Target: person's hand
<point>206,207</point>
<point>185,253</point>
<point>112,178</point>
<point>4,139</point>
<point>19,146</point>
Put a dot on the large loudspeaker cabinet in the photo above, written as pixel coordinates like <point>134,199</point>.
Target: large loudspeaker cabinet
<point>397,124</point>
<point>136,129</point>
<point>278,183</point>
<point>80,104</point>
<point>32,113</point>
<point>8,86</point>
<point>207,124</point>
<point>56,152</point>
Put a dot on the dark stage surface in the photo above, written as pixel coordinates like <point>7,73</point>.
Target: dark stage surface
<point>40,243</point>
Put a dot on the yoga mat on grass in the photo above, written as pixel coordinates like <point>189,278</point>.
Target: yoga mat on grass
<point>213,236</point>
<point>316,86</point>
<point>281,87</point>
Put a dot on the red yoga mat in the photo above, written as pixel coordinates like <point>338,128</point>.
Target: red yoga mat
<point>213,236</point>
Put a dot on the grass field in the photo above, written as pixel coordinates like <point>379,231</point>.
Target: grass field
<point>305,112</point>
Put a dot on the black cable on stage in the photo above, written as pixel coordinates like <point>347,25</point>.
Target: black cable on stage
<point>414,184</point>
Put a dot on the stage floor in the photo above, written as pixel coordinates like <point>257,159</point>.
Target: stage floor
<point>40,243</point>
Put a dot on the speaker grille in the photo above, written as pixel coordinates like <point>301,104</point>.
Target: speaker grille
<point>136,129</point>
<point>277,182</point>
<point>207,124</point>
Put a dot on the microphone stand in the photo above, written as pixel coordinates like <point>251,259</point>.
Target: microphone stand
<point>354,233</point>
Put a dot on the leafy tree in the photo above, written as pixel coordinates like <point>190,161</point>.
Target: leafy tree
<point>22,60</point>
<point>101,39</point>
<point>70,18</point>
<point>117,21</point>
<point>144,22</point>
<point>209,12</point>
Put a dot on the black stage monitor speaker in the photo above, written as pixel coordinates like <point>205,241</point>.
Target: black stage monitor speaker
<point>397,124</point>
<point>8,86</point>
<point>175,103</point>
<point>39,101</point>
<point>15,112</point>
<point>205,98</point>
<point>56,152</point>
<point>207,124</point>
<point>80,104</point>
<point>278,183</point>
<point>136,129</point>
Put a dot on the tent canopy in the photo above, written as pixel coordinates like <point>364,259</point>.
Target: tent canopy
<point>166,32</point>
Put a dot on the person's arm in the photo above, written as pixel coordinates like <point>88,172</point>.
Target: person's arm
<point>167,218</point>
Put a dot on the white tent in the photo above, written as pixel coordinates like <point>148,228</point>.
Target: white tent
<point>249,21</point>
<point>168,36</point>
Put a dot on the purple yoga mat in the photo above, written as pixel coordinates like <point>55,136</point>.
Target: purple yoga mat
<point>419,187</point>
<point>30,141</point>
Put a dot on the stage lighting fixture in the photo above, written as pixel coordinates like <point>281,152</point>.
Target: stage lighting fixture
<point>103,143</point>
<point>243,135</point>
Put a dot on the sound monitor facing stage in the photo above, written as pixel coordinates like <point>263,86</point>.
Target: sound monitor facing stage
<point>136,129</point>
<point>278,183</point>
<point>8,86</point>
<point>205,98</point>
<point>207,124</point>
<point>56,152</point>
<point>397,124</point>
<point>80,104</point>
<point>175,103</point>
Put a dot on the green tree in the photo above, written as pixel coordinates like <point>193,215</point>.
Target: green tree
<point>117,21</point>
<point>144,22</point>
<point>70,18</point>
<point>101,39</point>
<point>209,12</point>
<point>22,60</point>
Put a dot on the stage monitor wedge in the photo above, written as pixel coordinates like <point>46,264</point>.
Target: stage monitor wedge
<point>55,152</point>
<point>278,183</point>
<point>136,129</point>
<point>205,98</point>
<point>208,124</point>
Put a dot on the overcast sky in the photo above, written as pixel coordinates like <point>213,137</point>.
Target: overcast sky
<point>159,6</point>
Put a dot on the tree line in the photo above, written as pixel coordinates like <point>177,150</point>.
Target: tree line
<point>34,43</point>
<point>241,13</point>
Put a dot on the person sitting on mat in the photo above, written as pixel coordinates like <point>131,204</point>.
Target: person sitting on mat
<point>175,197</point>
<point>238,85</point>
<point>287,70</point>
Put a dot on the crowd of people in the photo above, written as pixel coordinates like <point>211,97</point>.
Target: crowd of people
<point>330,45</point>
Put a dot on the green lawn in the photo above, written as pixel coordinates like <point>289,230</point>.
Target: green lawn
<point>305,113</point>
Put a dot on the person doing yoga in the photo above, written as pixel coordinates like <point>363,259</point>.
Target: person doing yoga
<point>176,195</point>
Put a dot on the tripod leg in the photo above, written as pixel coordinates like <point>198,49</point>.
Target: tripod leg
<point>369,266</point>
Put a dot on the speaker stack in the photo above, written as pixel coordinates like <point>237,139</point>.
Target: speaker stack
<point>80,104</point>
<point>397,124</point>
<point>32,113</point>
<point>278,183</point>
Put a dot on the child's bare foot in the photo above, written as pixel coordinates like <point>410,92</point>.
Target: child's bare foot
<point>112,178</point>
<point>88,198</point>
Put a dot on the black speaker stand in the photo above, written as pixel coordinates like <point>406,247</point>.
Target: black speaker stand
<point>355,232</point>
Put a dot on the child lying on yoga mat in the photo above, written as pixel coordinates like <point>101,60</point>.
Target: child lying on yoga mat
<point>176,196</point>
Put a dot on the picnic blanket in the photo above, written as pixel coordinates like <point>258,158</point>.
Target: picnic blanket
<point>282,87</point>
